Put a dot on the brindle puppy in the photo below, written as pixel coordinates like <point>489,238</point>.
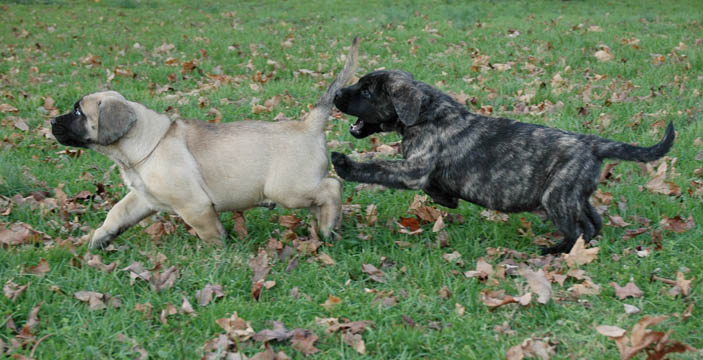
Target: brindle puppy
<point>501,164</point>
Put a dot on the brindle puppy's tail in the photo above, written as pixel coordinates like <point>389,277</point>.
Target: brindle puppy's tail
<point>622,151</point>
<point>317,117</point>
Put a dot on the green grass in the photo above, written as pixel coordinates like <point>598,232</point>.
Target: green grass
<point>43,43</point>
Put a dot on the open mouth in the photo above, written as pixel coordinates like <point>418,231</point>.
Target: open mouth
<point>357,126</point>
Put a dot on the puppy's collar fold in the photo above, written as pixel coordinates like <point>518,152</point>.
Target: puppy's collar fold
<point>132,166</point>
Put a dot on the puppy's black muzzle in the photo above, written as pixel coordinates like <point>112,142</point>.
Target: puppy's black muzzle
<point>68,130</point>
<point>343,101</point>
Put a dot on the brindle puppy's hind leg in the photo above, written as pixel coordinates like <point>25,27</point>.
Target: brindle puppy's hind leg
<point>441,198</point>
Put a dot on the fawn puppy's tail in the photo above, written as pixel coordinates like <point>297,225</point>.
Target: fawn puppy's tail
<point>317,117</point>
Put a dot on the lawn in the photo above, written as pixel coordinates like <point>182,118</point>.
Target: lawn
<point>404,278</point>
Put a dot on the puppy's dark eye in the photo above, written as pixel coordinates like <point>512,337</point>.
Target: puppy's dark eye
<point>366,93</point>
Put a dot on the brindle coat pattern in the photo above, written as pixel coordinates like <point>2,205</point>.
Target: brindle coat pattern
<point>501,164</point>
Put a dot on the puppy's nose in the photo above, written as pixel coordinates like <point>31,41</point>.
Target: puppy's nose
<point>338,94</point>
<point>53,121</point>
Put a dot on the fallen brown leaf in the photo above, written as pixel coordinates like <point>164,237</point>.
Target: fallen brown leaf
<point>604,54</point>
<point>659,185</point>
<point>656,343</point>
<point>374,273</point>
<point>538,283</point>
<point>39,269</point>
<point>206,295</point>
<point>164,280</point>
<point>96,262</point>
<point>238,329</point>
<point>12,291</point>
<point>331,302</point>
<point>278,333</point>
<point>497,298</point>
<point>94,299</point>
<point>453,258</point>
<point>355,341</point>
<point>588,287</point>
<point>482,272</point>
<point>259,266</point>
<point>629,290</point>
<point>304,340</point>
<point>677,224</point>
<point>240,226</point>
<point>18,234</point>
<point>579,255</point>
<point>531,348</point>
<point>684,284</point>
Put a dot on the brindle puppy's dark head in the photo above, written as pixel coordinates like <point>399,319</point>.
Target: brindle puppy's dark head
<point>99,118</point>
<point>384,100</point>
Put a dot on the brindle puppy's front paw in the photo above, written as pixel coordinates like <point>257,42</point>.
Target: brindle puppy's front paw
<point>342,164</point>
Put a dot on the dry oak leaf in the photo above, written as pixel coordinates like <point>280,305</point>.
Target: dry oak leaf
<point>137,271</point>
<point>39,269</point>
<point>631,309</point>
<point>677,224</point>
<point>425,213</point>
<point>611,331</point>
<point>579,255</point>
<point>656,343</point>
<point>325,259</point>
<point>355,341</point>
<point>659,185</point>
<point>206,295</point>
<point>278,333</point>
<point>166,312</point>
<point>240,226</point>
<point>259,266</point>
<point>18,234</point>
<point>143,354</point>
<point>331,302</point>
<point>410,226</point>
<point>588,287</point>
<point>538,283</point>
<point>530,348</point>
<point>94,299</point>
<point>238,329</point>
<point>374,273</point>
<point>290,222</point>
<point>483,270</point>
<point>33,322</point>
<point>6,108</point>
<point>354,327</point>
<point>303,340</point>
<point>186,307</point>
<point>629,290</point>
<point>682,283</point>
<point>497,298</point>
<point>460,309</point>
<point>604,54</point>
<point>96,262</point>
<point>12,291</point>
<point>453,258</point>
<point>164,280</point>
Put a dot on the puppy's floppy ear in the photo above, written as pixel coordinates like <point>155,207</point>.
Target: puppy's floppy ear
<point>115,118</point>
<point>406,99</point>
